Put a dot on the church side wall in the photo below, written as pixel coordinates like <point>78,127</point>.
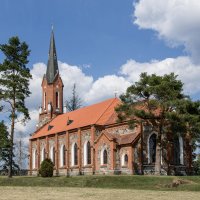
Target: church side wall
<point>103,144</point>
<point>115,154</point>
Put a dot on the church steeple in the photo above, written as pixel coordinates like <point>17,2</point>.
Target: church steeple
<point>52,88</point>
<point>52,66</point>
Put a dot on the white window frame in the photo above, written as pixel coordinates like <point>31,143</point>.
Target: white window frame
<point>102,163</point>
<point>61,155</point>
<point>148,147</point>
<point>42,154</point>
<point>72,154</point>
<point>52,154</point>
<point>123,159</point>
<point>58,100</point>
<point>34,158</point>
<point>85,154</point>
<point>44,105</point>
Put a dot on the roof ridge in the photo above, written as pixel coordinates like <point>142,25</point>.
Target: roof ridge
<point>87,106</point>
<point>105,110</point>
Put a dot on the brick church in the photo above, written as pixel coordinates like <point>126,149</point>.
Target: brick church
<point>91,141</point>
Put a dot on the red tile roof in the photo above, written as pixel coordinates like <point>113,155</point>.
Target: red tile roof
<point>98,114</point>
<point>128,138</point>
<point>121,138</point>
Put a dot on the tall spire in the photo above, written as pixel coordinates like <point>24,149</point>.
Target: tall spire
<point>52,67</point>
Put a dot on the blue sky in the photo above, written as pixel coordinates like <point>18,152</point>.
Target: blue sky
<point>104,45</point>
<point>99,33</point>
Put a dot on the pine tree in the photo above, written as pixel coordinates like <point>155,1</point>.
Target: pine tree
<point>188,118</point>
<point>14,84</point>
<point>153,101</point>
<point>4,146</point>
<point>74,101</point>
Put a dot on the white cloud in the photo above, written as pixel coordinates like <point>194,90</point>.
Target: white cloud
<point>175,21</point>
<point>74,74</point>
<point>187,72</point>
<point>37,72</point>
<point>29,126</point>
<point>106,87</point>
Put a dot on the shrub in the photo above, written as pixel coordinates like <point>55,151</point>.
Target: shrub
<point>196,165</point>
<point>46,168</point>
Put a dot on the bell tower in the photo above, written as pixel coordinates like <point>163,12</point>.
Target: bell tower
<point>52,88</point>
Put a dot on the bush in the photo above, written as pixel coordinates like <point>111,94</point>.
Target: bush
<point>46,168</point>
<point>196,166</point>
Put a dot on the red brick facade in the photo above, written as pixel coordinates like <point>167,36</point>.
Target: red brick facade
<point>52,97</point>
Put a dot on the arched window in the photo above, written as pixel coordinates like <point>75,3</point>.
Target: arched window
<point>152,149</point>
<point>45,95</point>
<point>88,153</point>
<point>43,154</point>
<point>62,156</point>
<point>34,158</point>
<point>178,151</point>
<point>105,157</point>
<point>74,155</point>
<point>126,159</point>
<point>52,155</point>
<point>57,99</point>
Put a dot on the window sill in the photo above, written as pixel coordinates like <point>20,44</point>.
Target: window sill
<point>104,166</point>
<point>86,166</point>
<point>74,167</point>
<point>63,167</point>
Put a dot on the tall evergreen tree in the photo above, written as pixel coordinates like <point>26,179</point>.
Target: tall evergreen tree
<point>74,101</point>
<point>188,118</point>
<point>4,146</point>
<point>14,82</point>
<point>152,101</point>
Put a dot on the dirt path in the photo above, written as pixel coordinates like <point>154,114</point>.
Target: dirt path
<point>46,193</point>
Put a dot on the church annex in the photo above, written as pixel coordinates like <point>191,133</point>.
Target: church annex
<point>91,141</point>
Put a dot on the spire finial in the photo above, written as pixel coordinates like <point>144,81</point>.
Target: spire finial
<point>52,27</point>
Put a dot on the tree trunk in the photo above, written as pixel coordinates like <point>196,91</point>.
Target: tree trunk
<point>11,149</point>
<point>10,170</point>
<point>158,152</point>
<point>141,150</point>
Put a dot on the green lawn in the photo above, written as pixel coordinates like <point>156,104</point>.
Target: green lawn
<point>189,183</point>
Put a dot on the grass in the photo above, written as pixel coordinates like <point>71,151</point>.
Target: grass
<point>162,183</point>
<point>69,193</point>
